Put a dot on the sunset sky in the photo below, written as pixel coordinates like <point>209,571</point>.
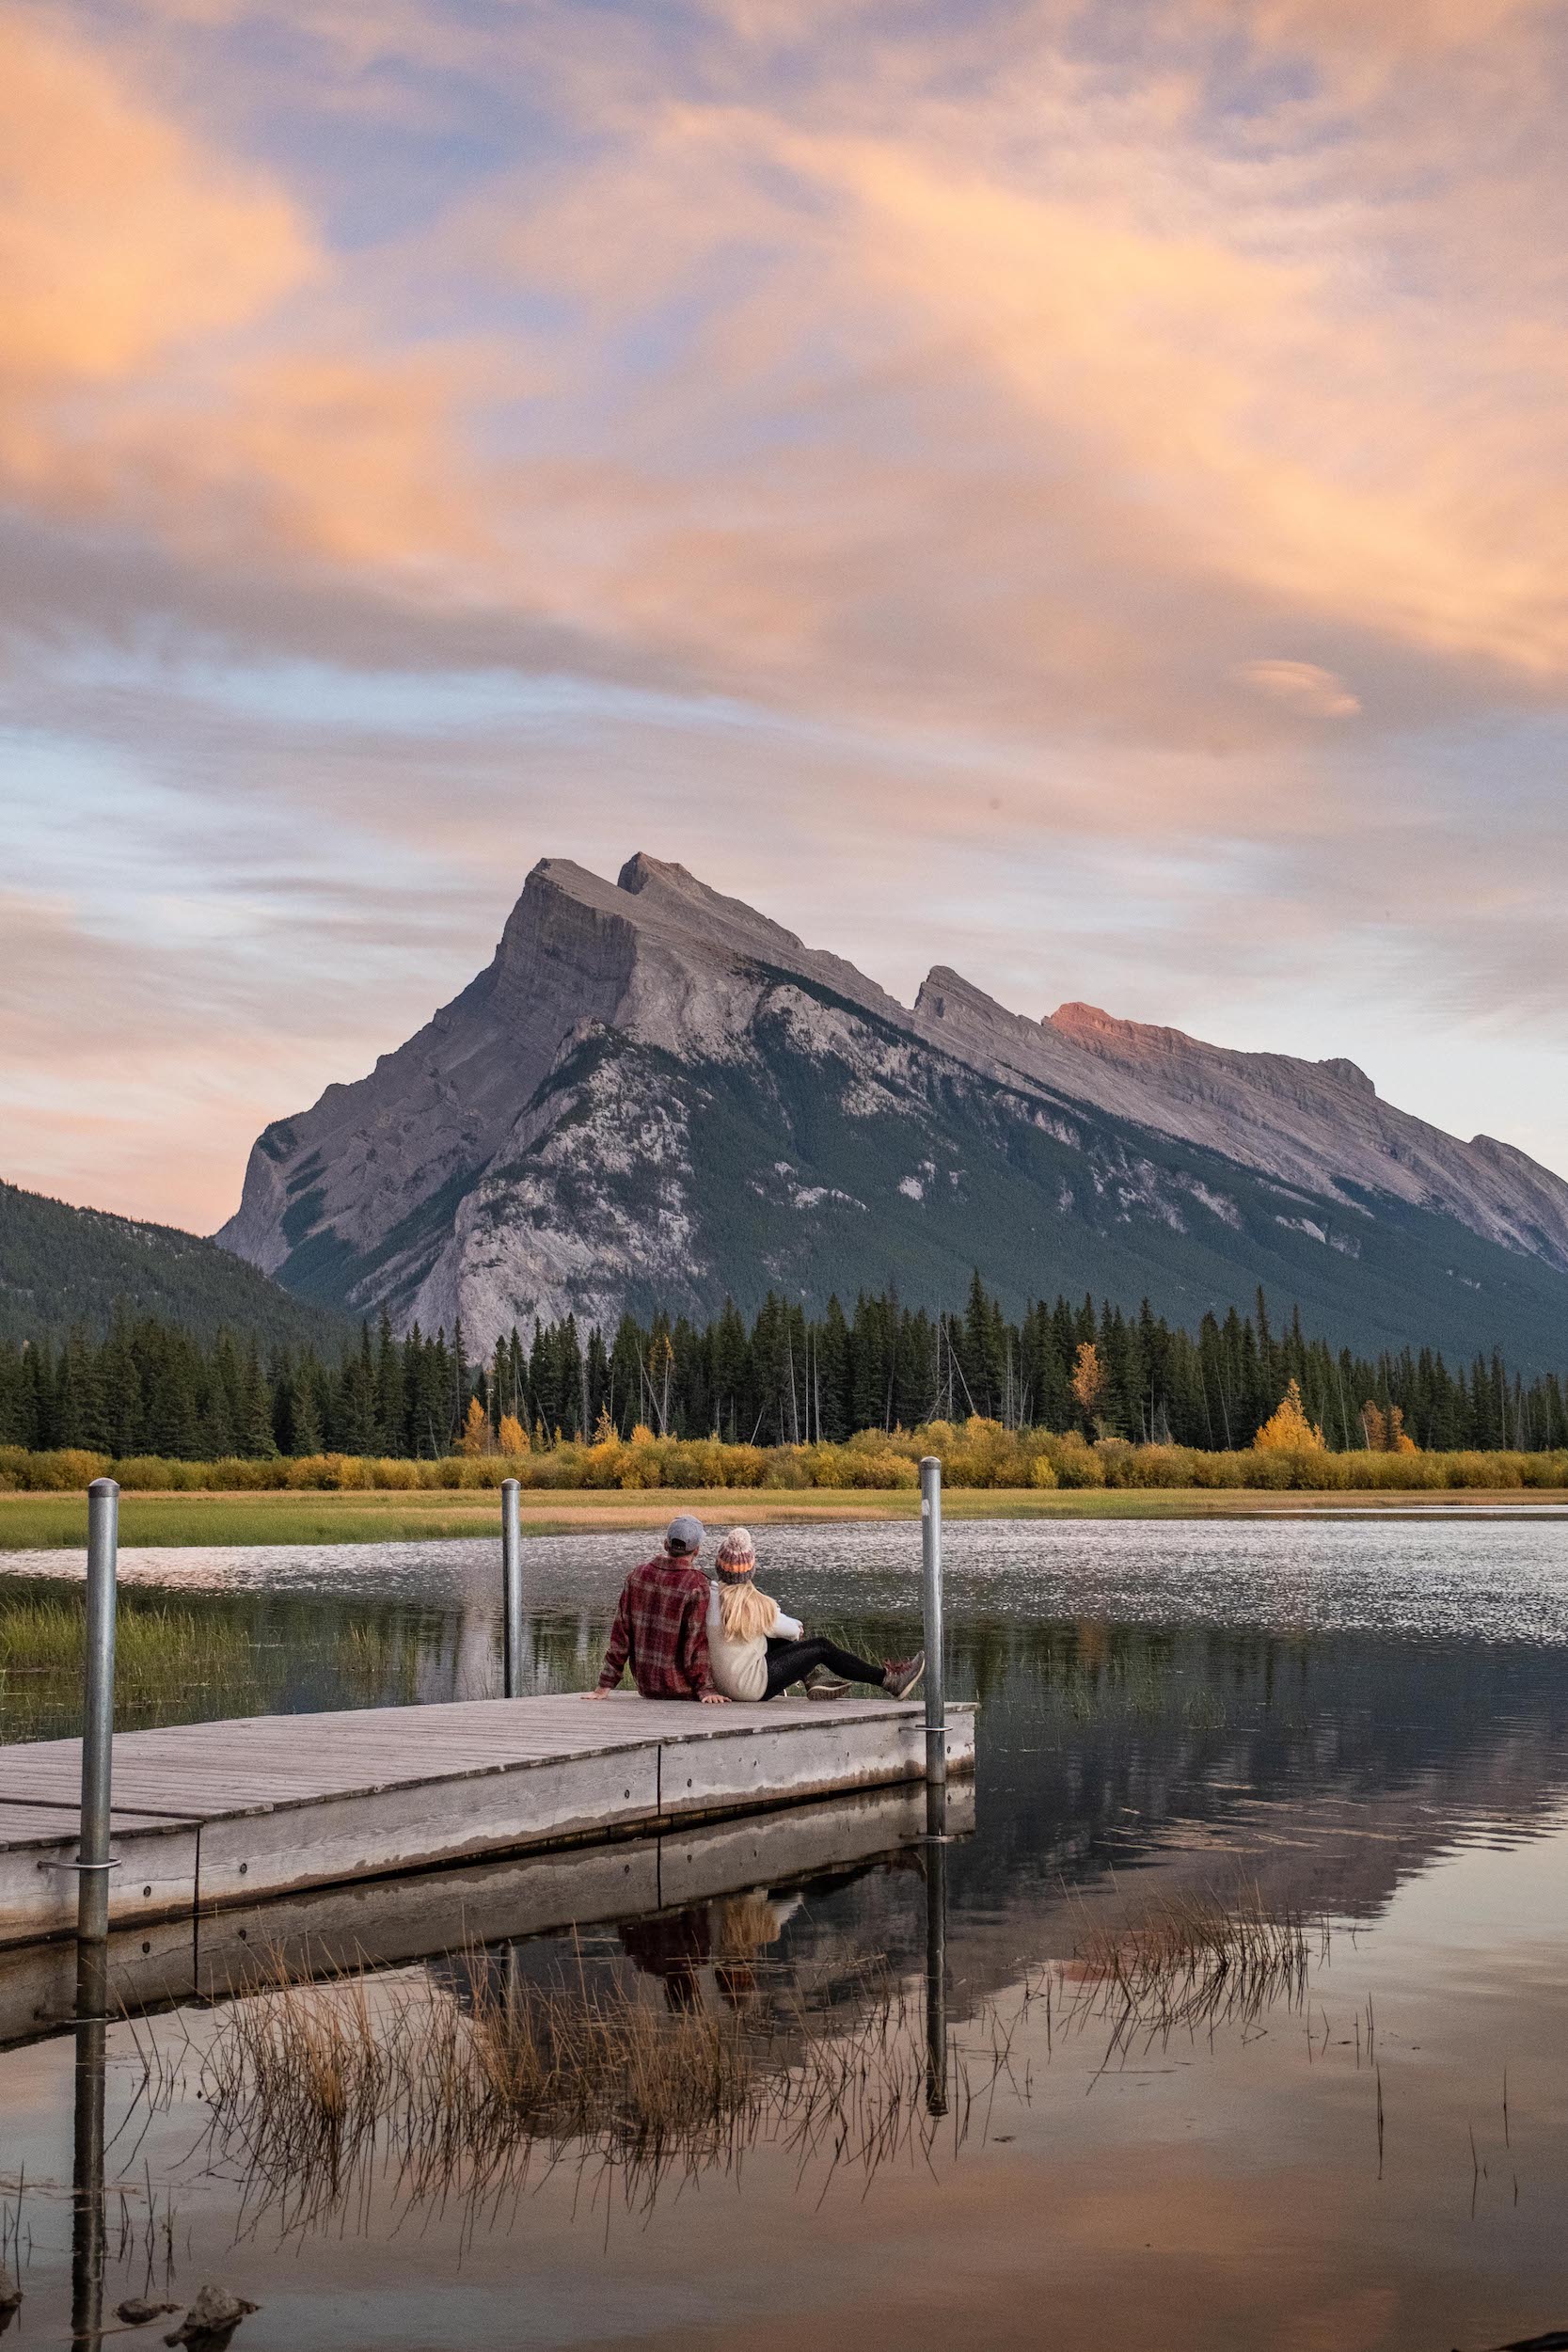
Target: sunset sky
<point>1080,494</point>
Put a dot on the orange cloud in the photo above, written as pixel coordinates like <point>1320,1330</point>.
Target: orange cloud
<point>155,373</point>
<point>1412,28</point>
<point>1189,367</point>
<point>122,238</point>
<point>352,459</point>
<point>1339,455</point>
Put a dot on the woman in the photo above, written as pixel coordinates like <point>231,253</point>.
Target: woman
<point>755,1651</point>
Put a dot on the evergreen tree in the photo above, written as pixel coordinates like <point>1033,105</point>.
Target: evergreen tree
<point>258,1439</point>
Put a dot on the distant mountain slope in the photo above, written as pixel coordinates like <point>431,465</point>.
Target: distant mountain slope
<point>652,1095</point>
<point>61,1267</point>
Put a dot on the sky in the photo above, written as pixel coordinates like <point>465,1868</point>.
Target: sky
<point>1077,494</point>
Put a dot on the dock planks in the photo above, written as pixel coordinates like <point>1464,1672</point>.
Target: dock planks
<point>213,1814</point>
<point>424,1915</point>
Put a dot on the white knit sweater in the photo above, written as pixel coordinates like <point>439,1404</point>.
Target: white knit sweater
<point>740,1668</point>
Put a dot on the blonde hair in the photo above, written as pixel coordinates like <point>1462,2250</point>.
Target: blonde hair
<point>744,1612</point>
<point>742,1924</point>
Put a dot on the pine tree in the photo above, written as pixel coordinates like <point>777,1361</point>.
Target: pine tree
<point>215,1430</point>
<point>730,1369</point>
<point>625,1401</point>
<point>390,1410</point>
<point>832,1373</point>
<point>304,1429</point>
<point>258,1439</point>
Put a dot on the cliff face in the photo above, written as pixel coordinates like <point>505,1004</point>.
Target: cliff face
<point>653,1094</point>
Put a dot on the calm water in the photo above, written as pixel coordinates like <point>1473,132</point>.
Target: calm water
<point>1364,1723</point>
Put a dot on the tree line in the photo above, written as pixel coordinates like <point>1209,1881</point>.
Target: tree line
<point>152,1387</point>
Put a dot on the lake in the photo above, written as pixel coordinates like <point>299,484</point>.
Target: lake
<point>1251,2026</point>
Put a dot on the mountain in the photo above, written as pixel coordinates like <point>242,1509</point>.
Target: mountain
<point>652,1095</point>
<point>61,1267</point>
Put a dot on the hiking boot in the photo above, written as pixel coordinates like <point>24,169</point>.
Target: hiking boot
<point>822,1683</point>
<point>904,1676</point>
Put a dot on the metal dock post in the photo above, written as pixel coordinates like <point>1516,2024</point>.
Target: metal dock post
<point>93,1863</point>
<point>511,1589</point>
<point>936,1695</point>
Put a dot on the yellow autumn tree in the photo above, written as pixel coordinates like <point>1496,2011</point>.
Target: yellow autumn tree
<point>513,1437</point>
<point>1088,1377</point>
<point>1288,1429</point>
<point>476,1429</point>
<point>1385,1431</point>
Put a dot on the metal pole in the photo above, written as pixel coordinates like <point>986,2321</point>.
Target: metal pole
<point>936,1947</point>
<point>87,2239</point>
<point>511,1589</point>
<point>98,1715</point>
<point>930,1534</point>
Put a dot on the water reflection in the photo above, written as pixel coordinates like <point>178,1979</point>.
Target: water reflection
<point>936,1837</point>
<point>1181,1731</point>
<point>651,2052</point>
<point>87,2187</point>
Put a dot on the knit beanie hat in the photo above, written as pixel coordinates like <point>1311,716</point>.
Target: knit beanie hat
<point>736,1557</point>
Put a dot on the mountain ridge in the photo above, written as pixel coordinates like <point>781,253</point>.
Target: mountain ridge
<point>64,1268</point>
<point>654,1095</point>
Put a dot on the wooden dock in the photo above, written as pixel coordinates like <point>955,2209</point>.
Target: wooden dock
<point>212,1814</point>
<point>426,1915</point>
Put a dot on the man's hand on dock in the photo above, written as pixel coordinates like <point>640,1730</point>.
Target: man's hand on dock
<point>709,1698</point>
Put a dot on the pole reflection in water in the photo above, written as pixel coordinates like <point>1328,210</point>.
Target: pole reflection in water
<point>934,1851</point>
<point>87,2210</point>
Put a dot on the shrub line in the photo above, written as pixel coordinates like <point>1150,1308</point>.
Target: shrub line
<point>976,1453</point>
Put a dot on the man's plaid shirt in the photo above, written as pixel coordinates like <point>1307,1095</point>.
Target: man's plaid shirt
<point>661,1627</point>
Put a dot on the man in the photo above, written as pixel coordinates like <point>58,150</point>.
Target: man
<point>661,1625</point>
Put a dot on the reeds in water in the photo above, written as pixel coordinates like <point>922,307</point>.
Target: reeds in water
<point>162,1654</point>
<point>176,1665</point>
<point>317,2090</point>
<point>1190,1962</point>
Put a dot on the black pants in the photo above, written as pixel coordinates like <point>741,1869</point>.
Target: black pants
<point>791,1661</point>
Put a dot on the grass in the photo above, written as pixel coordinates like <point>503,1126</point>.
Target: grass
<point>176,1665</point>
<point>38,1522</point>
<point>1191,1962</point>
<point>316,2089</point>
<point>160,1653</point>
<point>1133,1693</point>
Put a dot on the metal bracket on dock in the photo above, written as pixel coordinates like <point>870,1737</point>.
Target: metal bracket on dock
<point>113,1864</point>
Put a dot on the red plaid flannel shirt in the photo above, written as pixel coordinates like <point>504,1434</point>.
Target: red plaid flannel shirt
<point>661,1626</point>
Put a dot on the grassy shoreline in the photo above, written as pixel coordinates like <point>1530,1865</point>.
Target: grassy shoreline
<point>34,1523</point>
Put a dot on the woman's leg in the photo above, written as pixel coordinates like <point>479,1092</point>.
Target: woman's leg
<point>787,1662</point>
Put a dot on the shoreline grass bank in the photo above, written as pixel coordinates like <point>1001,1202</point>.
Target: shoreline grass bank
<point>35,1522</point>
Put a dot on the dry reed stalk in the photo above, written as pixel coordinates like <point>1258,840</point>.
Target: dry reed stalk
<point>316,2091</point>
<point>1191,1961</point>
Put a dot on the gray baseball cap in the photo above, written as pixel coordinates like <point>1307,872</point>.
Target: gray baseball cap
<point>684,1535</point>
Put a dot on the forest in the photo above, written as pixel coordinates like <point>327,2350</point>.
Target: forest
<point>151,1386</point>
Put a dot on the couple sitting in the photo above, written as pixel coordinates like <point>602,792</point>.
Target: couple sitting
<point>685,1639</point>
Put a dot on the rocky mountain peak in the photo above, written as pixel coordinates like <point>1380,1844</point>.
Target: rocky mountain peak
<point>1131,1041</point>
<point>667,894</point>
<point>654,1092</point>
<point>642,869</point>
<point>944,992</point>
<point>1338,1065</point>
